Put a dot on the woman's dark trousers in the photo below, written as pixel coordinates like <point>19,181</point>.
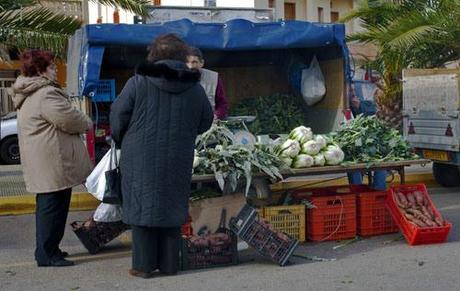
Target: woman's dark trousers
<point>50,220</point>
<point>156,248</point>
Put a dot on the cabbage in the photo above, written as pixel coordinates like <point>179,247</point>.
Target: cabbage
<point>333,155</point>
<point>287,161</point>
<point>319,160</point>
<point>311,148</point>
<point>196,160</point>
<point>321,141</point>
<point>303,161</point>
<point>290,148</point>
<point>302,134</point>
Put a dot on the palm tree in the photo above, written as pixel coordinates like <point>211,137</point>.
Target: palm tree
<point>29,24</point>
<point>407,33</point>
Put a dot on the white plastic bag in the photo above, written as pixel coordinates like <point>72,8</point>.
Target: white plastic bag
<point>95,183</point>
<point>313,86</point>
<point>107,213</point>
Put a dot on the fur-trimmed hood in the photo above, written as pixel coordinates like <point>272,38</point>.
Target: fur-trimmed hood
<point>26,86</point>
<point>169,75</point>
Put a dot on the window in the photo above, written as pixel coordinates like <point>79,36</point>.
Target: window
<point>210,3</point>
<point>334,17</point>
<point>289,11</point>
<point>156,2</point>
<point>271,3</point>
<point>320,14</point>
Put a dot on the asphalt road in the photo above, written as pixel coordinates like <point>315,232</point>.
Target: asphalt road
<point>378,263</point>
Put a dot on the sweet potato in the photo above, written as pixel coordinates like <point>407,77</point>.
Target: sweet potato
<point>428,221</point>
<point>408,216</point>
<point>430,211</point>
<point>422,215</point>
<point>439,221</point>
<point>411,200</point>
<point>402,198</point>
<point>414,220</point>
<point>398,201</point>
<point>419,198</point>
<point>199,241</point>
<point>427,212</point>
<point>415,212</point>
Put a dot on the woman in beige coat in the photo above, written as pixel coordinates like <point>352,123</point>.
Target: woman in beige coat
<point>53,155</point>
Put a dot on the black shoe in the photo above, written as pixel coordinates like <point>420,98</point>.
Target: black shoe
<point>63,254</point>
<point>140,274</point>
<point>58,263</point>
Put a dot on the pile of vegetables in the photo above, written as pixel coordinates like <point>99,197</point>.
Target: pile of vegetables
<point>210,249</point>
<point>367,139</point>
<point>303,149</point>
<point>416,208</point>
<point>230,163</point>
<point>209,240</point>
<point>275,113</point>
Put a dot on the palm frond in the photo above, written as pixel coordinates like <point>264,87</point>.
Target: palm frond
<point>363,37</point>
<point>373,12</point>
<point>36,27</point>
<point>411,38</point>
<point>135,6</point>
<point>16,4</point>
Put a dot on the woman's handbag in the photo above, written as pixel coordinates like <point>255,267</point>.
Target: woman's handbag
<point>112,194</point>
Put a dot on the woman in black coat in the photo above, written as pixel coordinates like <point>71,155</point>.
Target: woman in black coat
<point>155,120</point>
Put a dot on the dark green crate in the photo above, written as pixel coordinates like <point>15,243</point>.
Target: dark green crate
<point>210,255</point>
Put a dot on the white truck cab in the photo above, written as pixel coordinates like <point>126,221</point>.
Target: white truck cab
<point>431,104</point>
<point>9,147</point>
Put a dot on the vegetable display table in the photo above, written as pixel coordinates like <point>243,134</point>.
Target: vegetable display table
<point>398,166</point>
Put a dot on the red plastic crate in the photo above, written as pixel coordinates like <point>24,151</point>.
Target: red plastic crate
<point>186,229</point>
<point>373,217</point>
<point>330,190</point>
<point>417,235</point>
<point>334,217</point>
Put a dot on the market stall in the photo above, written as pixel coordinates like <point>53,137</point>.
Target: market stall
<point>263,67</point>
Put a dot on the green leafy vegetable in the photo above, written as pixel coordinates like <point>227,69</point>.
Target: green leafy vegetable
<point>367,139</point>
<point>231,163</point>
<point>275,113</point>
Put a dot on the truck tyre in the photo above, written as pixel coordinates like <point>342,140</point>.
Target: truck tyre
<point>9,150</point>
<point>446,175</point>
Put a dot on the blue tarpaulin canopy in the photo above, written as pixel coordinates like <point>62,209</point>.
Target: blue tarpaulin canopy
<point>86,48</point>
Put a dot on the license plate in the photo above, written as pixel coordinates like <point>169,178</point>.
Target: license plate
<point>436,155</point>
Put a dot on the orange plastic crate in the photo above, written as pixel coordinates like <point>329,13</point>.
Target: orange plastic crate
<point>372,215</point>
<point>416,235</point>
<point>334,217</point>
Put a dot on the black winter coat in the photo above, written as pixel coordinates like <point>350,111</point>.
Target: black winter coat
<point>155,120</point>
